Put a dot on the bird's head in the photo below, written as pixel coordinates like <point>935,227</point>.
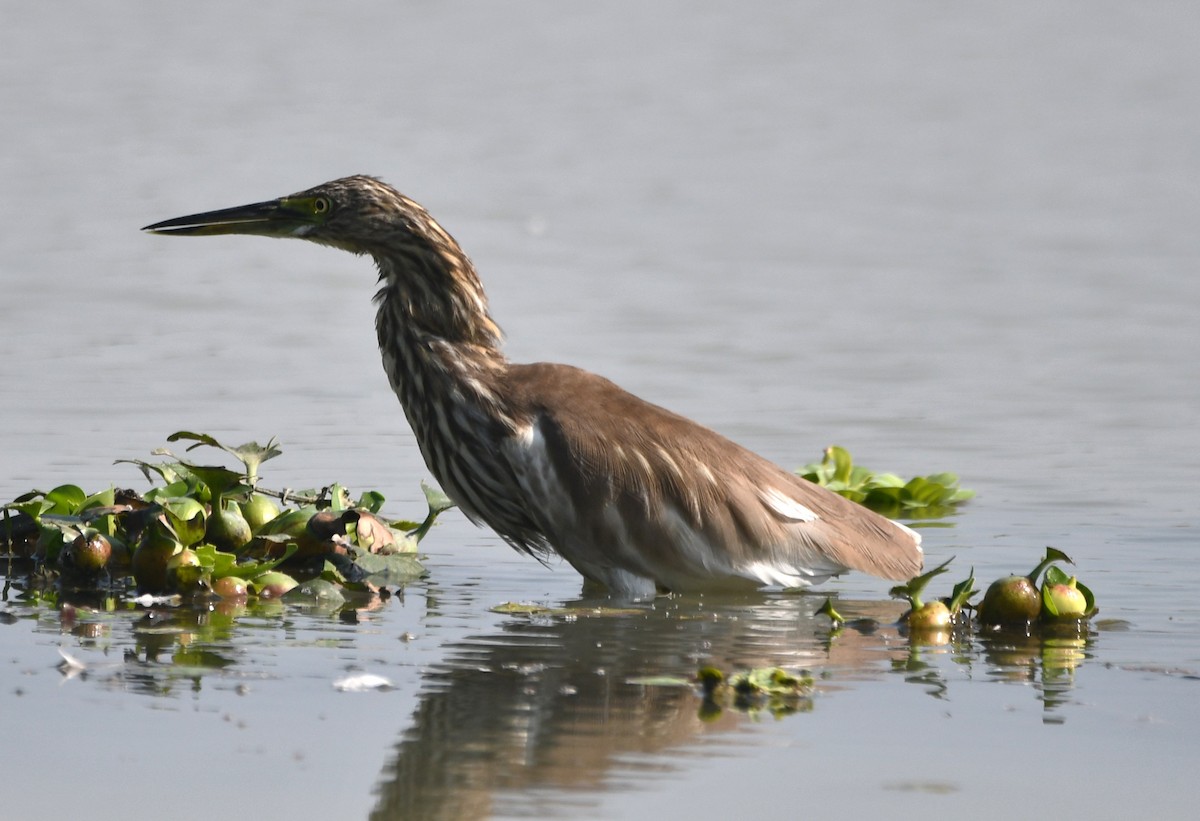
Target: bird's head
<point>425,273</point>
<point>358,214</point>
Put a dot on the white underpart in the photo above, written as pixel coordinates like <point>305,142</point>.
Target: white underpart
<point>786,506</point>
<point>772,574</point>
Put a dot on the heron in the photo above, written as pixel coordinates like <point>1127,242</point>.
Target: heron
<point>557,460</point>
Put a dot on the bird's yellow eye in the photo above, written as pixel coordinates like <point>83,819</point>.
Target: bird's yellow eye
<point>320,205</point>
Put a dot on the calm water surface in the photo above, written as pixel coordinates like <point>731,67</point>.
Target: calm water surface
<point>951,238</point>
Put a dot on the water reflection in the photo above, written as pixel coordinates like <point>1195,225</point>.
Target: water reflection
<point>541,712</point>
<point>543,709</point>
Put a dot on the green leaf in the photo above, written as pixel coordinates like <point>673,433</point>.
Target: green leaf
<point>962,593</point>
<point>842,463</point>
<point>221,481</point>
<point>915,586</point>
<point>105,498</point>
<point>187,517</point>
<point>251,454</point>
<point>1054,575</point>
<point>923,497</point>
<point>66,499</point>
<point>371,500</point>
<point>33,508</point>
<point>360,565</point>
<point>438,502</point>
<point>221,564</point>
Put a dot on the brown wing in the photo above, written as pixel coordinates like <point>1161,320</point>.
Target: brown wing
<point>687,496</point>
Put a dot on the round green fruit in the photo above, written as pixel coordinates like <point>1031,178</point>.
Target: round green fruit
<point>184,571</point>
<point>1065,601</point>
<point>1011,601</point>
<point>273,584</point>
<point>90,552</point>
<point>934,615</point>
<point>258,510</point>
<point>228,529</point>
<point>230,587</point>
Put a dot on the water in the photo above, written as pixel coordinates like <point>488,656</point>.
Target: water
<point>961,240</point>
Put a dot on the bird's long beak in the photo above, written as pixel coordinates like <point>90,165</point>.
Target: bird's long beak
<point>267,219</point>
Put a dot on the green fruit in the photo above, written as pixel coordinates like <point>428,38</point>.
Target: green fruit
<point>273,584</point>
<point>1011,601</point>
<point>184,571</point>
<point>934,615</point>
<point>1065,601</point>
<point>258,510</point>
<point>227,529</point>
<point>230,587</point>
<point>90,552</point>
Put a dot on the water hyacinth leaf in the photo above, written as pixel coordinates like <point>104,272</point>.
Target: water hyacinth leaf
<point>320,592</point>
<point>187,516</point>
<point>164,471</point>
<point>438,502</point>
<point>371,500</point>
<point>221,481</point>
<point>177,489</point>
<point>66,499</point>
<point>1053,554</point>
<point>105,498</point>
<point>251,454</point>
<point>827,609</point>
<point>1055,575</point>
<point>359,565</point>
<point>921,497</point>
<point>842,463</point>
<point>339,498</point>
<point>33,508</point>
<point>1088,597</point>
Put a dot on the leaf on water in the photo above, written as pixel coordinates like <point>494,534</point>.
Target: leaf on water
<point>932,496</point>
<point>320,591</point>
<point>360,565</point>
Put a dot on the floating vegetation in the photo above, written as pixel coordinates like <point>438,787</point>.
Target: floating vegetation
<point>1046,597</point>
<point>941,614</point>
<point>1019,601</point>
<point>209,531</point>
<point>922,497</point>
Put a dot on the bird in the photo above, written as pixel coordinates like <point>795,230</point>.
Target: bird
<point>557,460</point>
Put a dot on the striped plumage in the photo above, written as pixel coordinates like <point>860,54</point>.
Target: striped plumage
<point>553,458</point>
